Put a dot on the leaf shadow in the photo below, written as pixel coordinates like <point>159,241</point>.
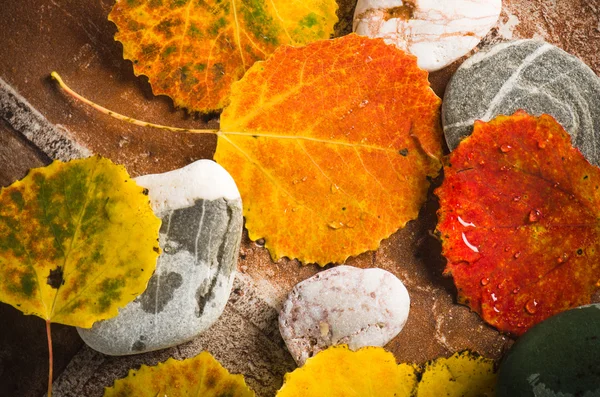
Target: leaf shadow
<point>429,246</point>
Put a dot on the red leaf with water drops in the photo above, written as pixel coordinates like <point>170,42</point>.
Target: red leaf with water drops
<point>519,210</point>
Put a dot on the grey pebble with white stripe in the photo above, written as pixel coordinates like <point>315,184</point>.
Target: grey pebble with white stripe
<point>525,74</point>
<point>200,237</point>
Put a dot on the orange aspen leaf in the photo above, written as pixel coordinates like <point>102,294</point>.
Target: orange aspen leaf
<point>518,218</point>
<point>331,145</point>
<point>193,50</point>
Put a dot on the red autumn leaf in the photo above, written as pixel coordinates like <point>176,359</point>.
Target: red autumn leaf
<point>519,211</point>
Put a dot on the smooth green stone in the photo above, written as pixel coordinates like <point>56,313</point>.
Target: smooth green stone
<point>559,357</point>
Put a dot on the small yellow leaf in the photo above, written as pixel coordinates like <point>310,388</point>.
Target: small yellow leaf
<point>198,376</point>
<point>464,374</point>
<point>77,241</point>
<point>340,372</point>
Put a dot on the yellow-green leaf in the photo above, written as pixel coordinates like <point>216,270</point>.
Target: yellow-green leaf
<point>77,241</point>
<point>198,376</point>
<point>341,372</point>
<point>464,374</point>
<point>194,50</point>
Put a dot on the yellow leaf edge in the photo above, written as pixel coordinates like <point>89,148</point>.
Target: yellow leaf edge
<point>401,378</point>
<point>468,373</point>
<point>420,372</point>
<point>204,358</point>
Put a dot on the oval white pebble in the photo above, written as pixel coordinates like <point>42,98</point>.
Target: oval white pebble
<point>437,32</point>
<point>359,307</point>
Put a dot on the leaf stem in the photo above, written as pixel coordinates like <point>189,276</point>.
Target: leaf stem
<point>50,357</point>
<point>121,117</point>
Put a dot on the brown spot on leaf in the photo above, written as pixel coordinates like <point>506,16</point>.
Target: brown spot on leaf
<point>212,376</point>
<point>55,278</point>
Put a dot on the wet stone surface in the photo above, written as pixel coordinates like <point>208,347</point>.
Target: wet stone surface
<point>358,307</point>
<point>200,237</point>
<point>530,75</point>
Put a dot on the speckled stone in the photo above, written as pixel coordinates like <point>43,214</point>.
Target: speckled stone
<point>530,75</point>
<point>358,307</point>
<point>201,211</point>
<point>437,32</point>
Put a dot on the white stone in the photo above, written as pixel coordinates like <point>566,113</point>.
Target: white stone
<point>437,32</point>
<point>201,210</point>
<point>180,188</point>
<point>358,307</point>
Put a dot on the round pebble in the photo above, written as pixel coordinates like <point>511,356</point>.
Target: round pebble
<point>358,307</point>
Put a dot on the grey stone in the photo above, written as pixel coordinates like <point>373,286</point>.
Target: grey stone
<point>358,307</point>
<point>201,211</point>
<point>525,74</point>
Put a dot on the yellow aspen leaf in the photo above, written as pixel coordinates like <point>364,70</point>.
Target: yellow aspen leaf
<point>341,372</point>
<point>197,376</point>
<point>331,145</point>
<point>193,50</point>
<point>77,241</point>
<point>464,374</point>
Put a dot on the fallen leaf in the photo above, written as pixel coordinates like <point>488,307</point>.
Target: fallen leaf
<point>518,217</point>
<point>77,241</point>
<point>193,50</point>
<point>331,145</point>
<point>340,372</point>
<point>464,374</point>
<point>197,376</point>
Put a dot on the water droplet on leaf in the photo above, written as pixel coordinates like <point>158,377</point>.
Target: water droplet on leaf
<point>505,148</point>
<point>534,215</point>
<point>531,306</point>
<point>335,225</point>
<point>485,281</point>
